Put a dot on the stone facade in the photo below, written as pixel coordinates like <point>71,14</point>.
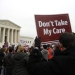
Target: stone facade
<point>9,32</point>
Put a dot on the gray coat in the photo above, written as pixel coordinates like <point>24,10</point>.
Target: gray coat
<point>45,54</point>
<point>19,64</point>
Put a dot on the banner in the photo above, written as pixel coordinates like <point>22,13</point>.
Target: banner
<point>50,27</point>
<point>22,42</point>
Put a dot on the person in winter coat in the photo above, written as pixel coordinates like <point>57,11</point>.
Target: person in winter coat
<point>8,61</point>
<point>45,53</point>
<point>57,51</point>
<point>58,65</point>
<point>19,62</point>
<point>50,51</point>
<point>1,62</point>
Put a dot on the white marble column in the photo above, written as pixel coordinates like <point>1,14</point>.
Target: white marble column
<point>3,37</point>
<point>8,33</point>
<point>0,34</point>
<point>18,36</point>
<point>15,36</point>
<point>11,36</point>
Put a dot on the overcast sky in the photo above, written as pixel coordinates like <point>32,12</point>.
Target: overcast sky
<point>22,12</point>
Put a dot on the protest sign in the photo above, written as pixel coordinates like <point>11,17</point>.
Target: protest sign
<point>50,27</point>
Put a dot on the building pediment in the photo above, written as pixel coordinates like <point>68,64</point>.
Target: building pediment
<point>9,23</point>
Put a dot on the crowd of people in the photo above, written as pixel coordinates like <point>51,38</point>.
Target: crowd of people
<point>40,60</point>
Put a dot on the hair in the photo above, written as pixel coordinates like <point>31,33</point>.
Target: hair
<point>45,46</point>
<point>5,50</point>
<point>20,49</point>
<point>17,48</point>
<point>48,45</point>
<point>2,49</point>
<point>67,40</point>
<point>10,49</point>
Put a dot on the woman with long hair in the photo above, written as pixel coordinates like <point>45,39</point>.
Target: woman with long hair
<point>19,62</point>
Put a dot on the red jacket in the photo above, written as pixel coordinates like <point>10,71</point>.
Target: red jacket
<point>50,53</point>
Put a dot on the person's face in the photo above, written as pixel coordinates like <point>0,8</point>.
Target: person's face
<point>54,48</point>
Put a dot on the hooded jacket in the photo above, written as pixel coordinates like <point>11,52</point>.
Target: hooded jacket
<point>1,55</point>
<point>58,65</point>
<point>45,54</point>
<point>19,64</point>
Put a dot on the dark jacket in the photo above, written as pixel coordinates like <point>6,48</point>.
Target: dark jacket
<point>1,58</point>
<point>0,64</point>
<point>45,54</point>
<point>58,65</point>
<point>57,52</point>
<point>8,59</point>
<point>19,64</point>
<point>8,63</point>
